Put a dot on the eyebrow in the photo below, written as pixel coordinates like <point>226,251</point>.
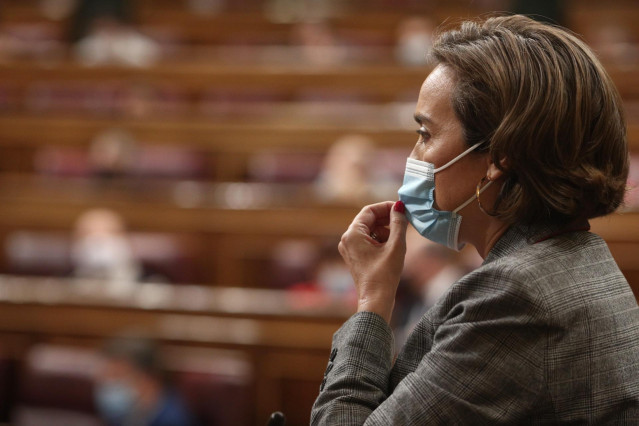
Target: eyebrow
<point>422,118</point>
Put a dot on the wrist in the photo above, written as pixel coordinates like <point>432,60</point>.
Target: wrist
<point>382,307</point>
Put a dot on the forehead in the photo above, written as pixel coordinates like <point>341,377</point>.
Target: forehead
<point>435,93</point>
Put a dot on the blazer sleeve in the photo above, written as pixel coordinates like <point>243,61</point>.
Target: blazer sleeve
<point>485,365</point>
<point>357,376</point>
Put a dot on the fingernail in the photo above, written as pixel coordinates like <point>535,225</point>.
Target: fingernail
<point>399,207</point>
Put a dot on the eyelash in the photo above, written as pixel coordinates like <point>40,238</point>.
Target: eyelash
<point>423,134</point>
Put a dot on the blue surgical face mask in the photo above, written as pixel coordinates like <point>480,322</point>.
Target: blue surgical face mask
<point>418,195</point>
<point>115,400</point>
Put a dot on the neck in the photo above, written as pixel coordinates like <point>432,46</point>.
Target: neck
<point>482,231</point>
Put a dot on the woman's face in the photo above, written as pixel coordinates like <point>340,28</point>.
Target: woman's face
<point>441,139</point>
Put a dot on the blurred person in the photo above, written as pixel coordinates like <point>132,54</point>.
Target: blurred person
<point>291,262</point>
<point>101,250</point>
<point>111,42</point>
<point>146,100</point>
<point>206,7</point>
<point>303,265</point>
<point>6,46</point>
<point>57,10</point>
<point>614,44</point>
<point>6,42</point>
<point>327,278</point>
<point>104,34</point>
<point>331,274</point>
<point>112,153</point>
<point>289,11</point>
<point>346,173</point>
<point>631,201</point>
<point>429,271</point>
<point>550,11</point>
<point>546,330</point>
<point>317,44</point>
<point>414,40</point>
<point>84,12</point>
<point>133,389</point>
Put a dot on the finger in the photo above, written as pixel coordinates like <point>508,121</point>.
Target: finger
<point>381,232</point>
<point>374,214</point>
<point>398,224</point>
<point>342,252</point>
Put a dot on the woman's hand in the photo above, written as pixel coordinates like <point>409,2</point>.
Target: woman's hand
<point>373,248</point>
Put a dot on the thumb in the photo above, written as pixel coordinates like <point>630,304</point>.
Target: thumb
<point>398,224</point>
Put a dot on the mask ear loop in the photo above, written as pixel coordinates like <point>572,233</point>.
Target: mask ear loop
<point>456,159</point>
<point>479,190</point>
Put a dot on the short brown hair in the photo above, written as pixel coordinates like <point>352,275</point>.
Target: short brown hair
<point>538,98</point>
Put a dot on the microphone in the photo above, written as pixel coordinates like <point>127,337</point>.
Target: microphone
<point>277,419</point>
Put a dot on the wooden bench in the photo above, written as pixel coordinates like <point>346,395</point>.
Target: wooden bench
<point>236,238</point>
<point>380,82</point>
<point>226,147</point>
<point>285,340</point>
<point>378,18</point>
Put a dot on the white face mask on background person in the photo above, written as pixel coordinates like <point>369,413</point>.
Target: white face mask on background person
<point>418,195</point>
<point>107,257</point>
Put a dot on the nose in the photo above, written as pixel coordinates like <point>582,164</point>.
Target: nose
<point>413,153</point>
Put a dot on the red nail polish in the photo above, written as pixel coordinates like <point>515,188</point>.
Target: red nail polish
<point>399,207</point>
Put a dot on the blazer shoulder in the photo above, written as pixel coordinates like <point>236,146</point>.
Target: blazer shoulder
<point>575,271</point>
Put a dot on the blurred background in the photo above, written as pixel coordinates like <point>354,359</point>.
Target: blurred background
<point>175,176</point>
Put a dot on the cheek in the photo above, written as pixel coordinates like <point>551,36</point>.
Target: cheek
<point>452,190</point>
<point>442,193</point>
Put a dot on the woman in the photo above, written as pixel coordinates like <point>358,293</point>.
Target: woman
<point>521,135</point>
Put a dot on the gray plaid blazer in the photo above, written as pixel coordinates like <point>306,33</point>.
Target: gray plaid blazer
<point>546,331</point>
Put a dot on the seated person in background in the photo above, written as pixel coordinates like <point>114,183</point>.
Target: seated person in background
<point>631,200</point>
<point>6,46</point>
<point>614,44</point>
<point>132,387</point>
<point>112,153</point>
<point>414,40</point>
<point>346,173</point>
<point>328,274</point>
<point>206,7</point>
<point>101,250</point>
<point>106,36</point>
<point>112,42</point>
<point>318,44</point>
<point>429,270</point>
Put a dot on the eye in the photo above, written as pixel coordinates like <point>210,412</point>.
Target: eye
<point>424,136</point>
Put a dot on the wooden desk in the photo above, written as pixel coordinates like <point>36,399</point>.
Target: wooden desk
<point>377,18</point>
<point>381,82</point>
<point>228,232</point>
<point>212,135</point>
<point>236,238</point>
<point>286,339</point>
<point>236,23</point>
<point>227,147</point>
<point>64,199</point>
<point>219,135</point>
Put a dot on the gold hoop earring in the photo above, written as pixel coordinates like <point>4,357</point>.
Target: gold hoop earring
<point>478,191</point>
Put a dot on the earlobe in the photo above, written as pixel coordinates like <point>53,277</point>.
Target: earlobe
<point>494,173</point>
